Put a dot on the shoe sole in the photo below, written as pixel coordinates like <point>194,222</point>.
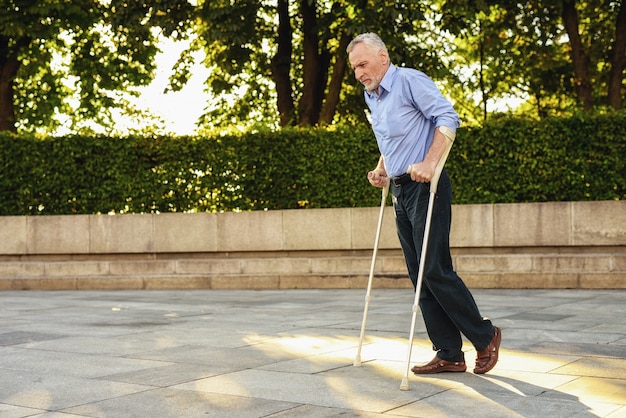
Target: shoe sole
<point>442,369</point>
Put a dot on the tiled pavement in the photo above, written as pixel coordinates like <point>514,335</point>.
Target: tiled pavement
<point>242,353</point>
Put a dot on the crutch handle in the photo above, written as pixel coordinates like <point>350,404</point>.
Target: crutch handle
<point>449,134</point>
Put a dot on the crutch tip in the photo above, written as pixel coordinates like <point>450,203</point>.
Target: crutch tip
<point>405,384</point>
<point>357,362</point>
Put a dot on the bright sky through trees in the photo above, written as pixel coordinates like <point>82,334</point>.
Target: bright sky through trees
<point>79,69</point>
<point>180,110</point>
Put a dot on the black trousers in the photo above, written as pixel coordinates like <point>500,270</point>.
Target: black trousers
<point>447,305</point>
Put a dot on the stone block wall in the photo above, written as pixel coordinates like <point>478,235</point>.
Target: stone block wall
<point>538,245</point>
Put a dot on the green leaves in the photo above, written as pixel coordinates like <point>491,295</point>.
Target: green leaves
<point>82,54</point>
<point>557,159</point>
<point>510,160</point>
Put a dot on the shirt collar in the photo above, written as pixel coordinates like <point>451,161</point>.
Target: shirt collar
<point>386,82</point>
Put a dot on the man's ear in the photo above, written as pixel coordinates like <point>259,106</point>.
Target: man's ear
<point>384,57</point>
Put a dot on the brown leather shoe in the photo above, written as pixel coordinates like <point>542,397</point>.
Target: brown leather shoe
<point>486,359</point>
<point>438,365</point>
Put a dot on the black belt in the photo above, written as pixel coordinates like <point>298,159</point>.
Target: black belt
<point>401,180</point>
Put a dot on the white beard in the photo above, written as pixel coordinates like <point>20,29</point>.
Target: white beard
<point>376,82</point>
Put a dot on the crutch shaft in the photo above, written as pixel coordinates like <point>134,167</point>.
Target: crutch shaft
<point>383,201</point>
<point>418,287</point>
<point>449,135</point>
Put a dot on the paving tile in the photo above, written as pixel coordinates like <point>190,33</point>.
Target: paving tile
<point>290,353</point>
<point>56,415</point>
<point>12,411</point>
<point>21,337</point>
<point>470,404</point>
<point>365,392</point>
<point>592,389</point>
<point>164,376</point>
<point>48,392</point>
<point>536,316</point>
<point>116,345</point>
<point>171,403</point>
<point>579,349</point>
<point>512,332</point>
<point>220,360</point>
<point>529,362</point>
<point>68,364</point>
<point>596,367</point>
<point>609,327</point>
<point>505,383</point>
<point>620,412</point>
<point>312,411</point>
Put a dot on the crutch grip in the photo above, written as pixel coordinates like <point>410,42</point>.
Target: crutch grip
<point>449,134</point>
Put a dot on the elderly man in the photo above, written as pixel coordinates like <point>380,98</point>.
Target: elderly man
<point>407,111</point>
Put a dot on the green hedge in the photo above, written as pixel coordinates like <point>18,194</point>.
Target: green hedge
<point>516,160</point>
<point>510,160</point>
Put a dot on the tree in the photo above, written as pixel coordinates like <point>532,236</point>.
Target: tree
<point>107,47</point>
<point>618,59</point>
<point>482,32</point>
<point>542,69</point>
<point>288,59</point>
<point>291,55</point>
<point>283,62</point>
<point>596,33</point>
<point>507,49</point>
<point>518,46</point>
<point>580,58</point>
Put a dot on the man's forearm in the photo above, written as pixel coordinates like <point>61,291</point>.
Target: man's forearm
<point>436,150</point>
<point>425,170</point>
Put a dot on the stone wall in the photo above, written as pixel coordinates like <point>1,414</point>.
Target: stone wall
<point>539,245</point>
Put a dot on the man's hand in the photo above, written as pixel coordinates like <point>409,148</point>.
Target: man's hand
<point>378,177</point>
<point>422,172</point>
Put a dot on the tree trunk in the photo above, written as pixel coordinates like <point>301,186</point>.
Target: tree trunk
<point>281,64</point>
<point>309,110</point>
<point>618,60</point>
<point>9,65</point>
<point>580,59</point>
<point>322,81</point>
<point>329,108</point>
<point>481,78</point>
<point>7,113</point>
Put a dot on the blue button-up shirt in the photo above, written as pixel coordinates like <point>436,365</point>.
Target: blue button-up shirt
<point>404,115</point>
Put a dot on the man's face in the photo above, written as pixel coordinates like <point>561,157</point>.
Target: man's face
<point>369,65</point>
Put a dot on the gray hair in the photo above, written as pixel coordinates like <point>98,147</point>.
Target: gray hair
<point>371,40</point>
